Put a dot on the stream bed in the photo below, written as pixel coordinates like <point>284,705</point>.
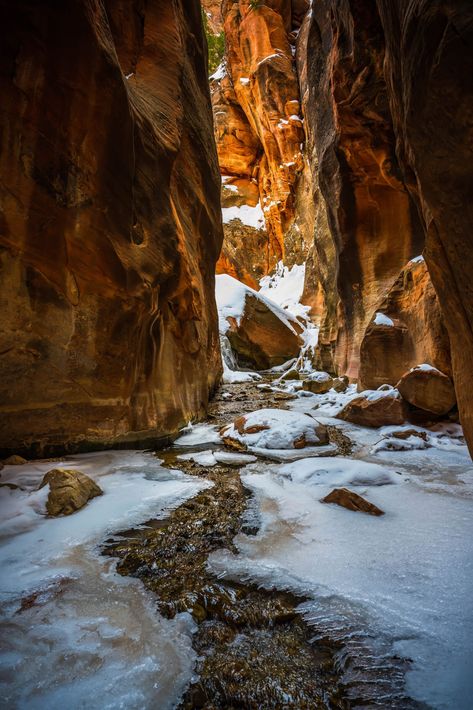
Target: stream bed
<point>194,583</point>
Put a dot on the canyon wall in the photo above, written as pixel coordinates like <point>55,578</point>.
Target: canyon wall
<point>259,134</point>
<point>110,223</point>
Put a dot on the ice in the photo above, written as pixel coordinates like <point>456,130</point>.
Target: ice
<point>231,459</point>
<point>198,434</point>
<point>203,458</point>
<point>382,319</point>
<point>400,584</point>
<point>279,429</point>
<point>74,632</point>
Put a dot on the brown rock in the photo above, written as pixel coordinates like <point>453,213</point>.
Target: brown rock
<point>15,460</point>
<point>110,223</point>
<point>374,412</point>
<point>340,384</point>
<point>318,383</point>
<point>417,332</point>
<point>69,491</point>
<point>262,340</point>
<point>351,501</point>
<point>428,389</point>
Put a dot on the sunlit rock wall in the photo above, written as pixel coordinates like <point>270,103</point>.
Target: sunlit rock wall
<point>110,223</point>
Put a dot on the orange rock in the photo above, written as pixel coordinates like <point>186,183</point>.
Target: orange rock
<point>427,388</point>
<point>374,409</point>
<point>415,331</point>
<point>351,501</point>
<point>110,225</point>
<point>69,490</point>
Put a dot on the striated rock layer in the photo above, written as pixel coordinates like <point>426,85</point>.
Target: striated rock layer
<point>258,123</point>
<point>389,108</point>
<point>110,223</point>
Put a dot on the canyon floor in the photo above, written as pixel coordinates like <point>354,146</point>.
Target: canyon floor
<point>199,583</point>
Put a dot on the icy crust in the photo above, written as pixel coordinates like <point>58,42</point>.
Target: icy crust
<point>276,429</point>
<point>396,585</point>
<point>74,632</point>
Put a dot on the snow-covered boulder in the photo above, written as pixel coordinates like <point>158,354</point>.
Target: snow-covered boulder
<point>274,429</point>
<point>427,388</point>
<point>375,408</point>
<point>318,382</point>
<point>260,332</point>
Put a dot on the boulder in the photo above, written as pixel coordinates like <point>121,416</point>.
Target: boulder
<point>351,501</point>
<point>318,383</point>
<point>69,490</point>
<point>291,375</point>
<point>375,408</point>
<point>261,334</point>
<point>340,384</point>
<point>15,460</point>
<point>427,388</point>
<point>274,429</point>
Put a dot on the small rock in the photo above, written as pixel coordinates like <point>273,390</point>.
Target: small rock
<point>340,384</point>
<point>373,410</point>
<point>15,460</point>
<point>318,383</point>
<point>351,501</point>
<point>427,388</point>
<point>406,433</point>
<point>291,375</point>
<point>69,490</point>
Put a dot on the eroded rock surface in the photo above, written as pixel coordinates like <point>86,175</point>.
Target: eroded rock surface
<point>110,223</point>
<point>69,490</point>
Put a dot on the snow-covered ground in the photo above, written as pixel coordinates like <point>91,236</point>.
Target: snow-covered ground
<point>87,637</point>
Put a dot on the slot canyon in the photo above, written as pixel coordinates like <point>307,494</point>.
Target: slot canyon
<point>236,354</point>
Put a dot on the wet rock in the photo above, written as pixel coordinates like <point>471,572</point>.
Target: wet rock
<point>429,389</point>
<point>375,408</point>
<point>318,383</point>
<point>340,384</point>
<point>69,490</point>
<point>351,501</point>
<point>15,460</point>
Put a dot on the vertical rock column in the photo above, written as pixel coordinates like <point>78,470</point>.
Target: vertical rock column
<point>110,223</point>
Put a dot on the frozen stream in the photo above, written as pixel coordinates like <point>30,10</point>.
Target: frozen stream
<point>396,586</point>
<point>91,639</point>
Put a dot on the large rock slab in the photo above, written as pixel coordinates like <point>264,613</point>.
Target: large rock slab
<point>274,429</point>
<point>69,490</point>
<point>427,388</point>
<point>375,408</point>
<point>110,223</point>
<point>261,333</point>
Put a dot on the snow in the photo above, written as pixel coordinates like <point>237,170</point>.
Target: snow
<point>282,428</point>
<point>425,367</point>
<point>90,638</point>
<point>219,73</point>
<point>211,458</point>
<point>251,216</point>
<point>417,259</point>
<point>382,319</point>
<point>231,295</point>
<point>244,80</point>
<point>198,434</point>
<point>318,376</point>
<point>400,584</point>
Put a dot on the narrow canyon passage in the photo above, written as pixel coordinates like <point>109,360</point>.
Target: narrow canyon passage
<point>236,355</point>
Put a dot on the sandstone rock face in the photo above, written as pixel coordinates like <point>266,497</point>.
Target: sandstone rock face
<point>427,388</point>
<point>352,501</point>
<point>110,223</point>
<point>375,409</point>
<point>258,126</point>
<point>388,107</point>
<point>261,339</point>
<point>69,490</point>
<point>407,328</point>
